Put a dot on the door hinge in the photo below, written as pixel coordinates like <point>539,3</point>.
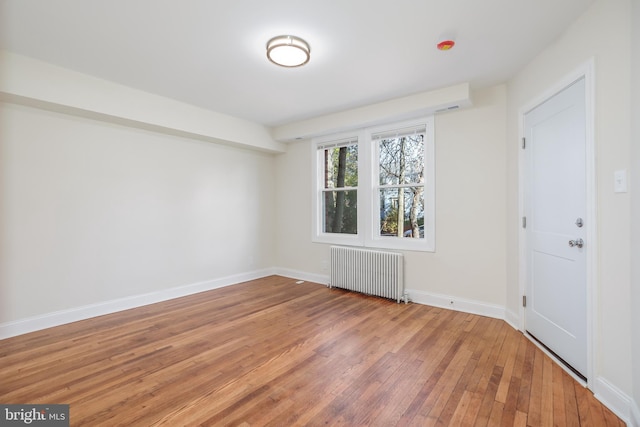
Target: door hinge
<point>524,222</point>
<point>524,143</point>
<point>524,300</point>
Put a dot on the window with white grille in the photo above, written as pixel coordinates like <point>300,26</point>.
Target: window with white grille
<point>375,187</point>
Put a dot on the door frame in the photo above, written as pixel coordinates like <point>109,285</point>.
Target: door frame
<point>586,71</point>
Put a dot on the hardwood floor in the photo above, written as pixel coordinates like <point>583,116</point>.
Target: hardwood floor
<point>271,352</point>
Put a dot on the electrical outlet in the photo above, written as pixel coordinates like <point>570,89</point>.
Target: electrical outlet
<point>324,266</point>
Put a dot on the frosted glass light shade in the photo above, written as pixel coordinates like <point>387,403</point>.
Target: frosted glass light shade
<point>288,51</point>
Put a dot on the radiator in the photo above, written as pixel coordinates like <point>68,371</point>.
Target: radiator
<point>367,271</point>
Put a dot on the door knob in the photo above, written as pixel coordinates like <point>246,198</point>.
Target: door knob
<point>578,243</point>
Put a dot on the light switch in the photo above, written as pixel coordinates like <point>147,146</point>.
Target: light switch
<point>620,181</point>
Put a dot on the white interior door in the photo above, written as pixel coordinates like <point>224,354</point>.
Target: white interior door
<point>555,209</point>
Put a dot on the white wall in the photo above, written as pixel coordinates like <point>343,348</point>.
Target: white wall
<point>602,32</point>
<point>91,212</point>
<point>469,262</point>
<point>635,199</point>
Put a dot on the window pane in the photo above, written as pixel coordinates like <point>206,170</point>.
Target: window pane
<point>401,160</point>
<point>402,212</point>
<point>341,167</point>
<point>340,209</point>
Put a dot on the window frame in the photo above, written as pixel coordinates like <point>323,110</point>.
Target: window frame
<point>318,235</point>
<point>368,202</point>
<point>373,238</point>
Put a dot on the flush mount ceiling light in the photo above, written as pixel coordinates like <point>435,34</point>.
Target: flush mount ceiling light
<point>288,51</point>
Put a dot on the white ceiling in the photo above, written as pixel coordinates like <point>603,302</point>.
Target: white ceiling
<point>211,53</point>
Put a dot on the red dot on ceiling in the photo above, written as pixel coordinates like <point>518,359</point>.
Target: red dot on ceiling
<point>446,44</point>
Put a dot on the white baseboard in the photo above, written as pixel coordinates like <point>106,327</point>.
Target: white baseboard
<point>512,319</point>
<point>419,297</point>
<point>457,304</point>
<point>614,399</point>
<point>57,318</point>
<point>301,275</point>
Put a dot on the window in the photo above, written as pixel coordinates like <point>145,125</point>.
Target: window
<point>336,198</point>
<point>340,187</point>
<point>376,187</point>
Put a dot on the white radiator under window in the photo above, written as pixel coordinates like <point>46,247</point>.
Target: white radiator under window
<point>370,272</point>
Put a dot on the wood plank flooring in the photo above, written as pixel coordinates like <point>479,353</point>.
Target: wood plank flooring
<point>273,353</point>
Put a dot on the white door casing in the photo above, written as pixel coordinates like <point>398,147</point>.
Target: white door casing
<point>555,201</point>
